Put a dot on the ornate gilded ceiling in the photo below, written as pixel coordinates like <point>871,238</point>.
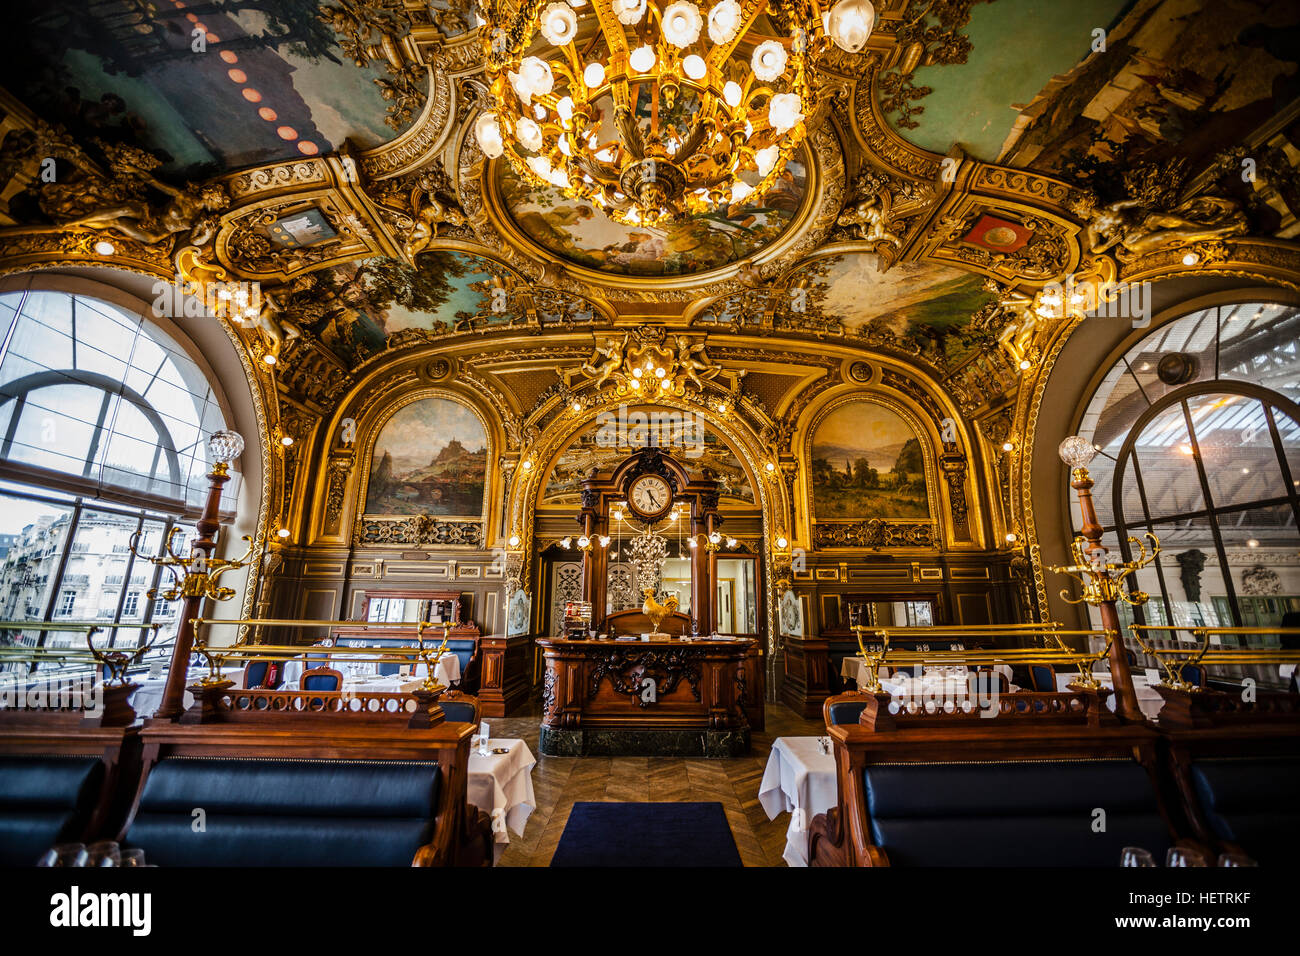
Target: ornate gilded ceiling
<point>971,154</point>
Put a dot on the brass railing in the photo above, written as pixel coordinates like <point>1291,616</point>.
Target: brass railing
<point>1205,652</point>
<point>420,653</point>
<point>114,660</point>
<point>1062,654</point>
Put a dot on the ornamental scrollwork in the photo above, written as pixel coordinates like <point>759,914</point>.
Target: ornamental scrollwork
<point>420,531</point>
<point>627,670</point>
<point>874,533</point>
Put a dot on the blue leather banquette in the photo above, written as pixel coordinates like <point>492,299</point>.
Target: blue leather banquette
<point>277,812</point>
<point>45,800</point>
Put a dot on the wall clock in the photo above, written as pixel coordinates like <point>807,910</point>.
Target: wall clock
<point>649,497</point>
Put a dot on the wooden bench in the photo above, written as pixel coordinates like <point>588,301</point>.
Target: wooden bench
<point>62,774</point>
<point>1061,784</point>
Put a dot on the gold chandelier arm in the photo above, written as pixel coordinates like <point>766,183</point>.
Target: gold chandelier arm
<point>750,11</point>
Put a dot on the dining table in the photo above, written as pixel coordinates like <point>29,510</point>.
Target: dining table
<point>1148,698</point>
<point>799,779</point>
<point>148,696</point>
<point>501,785</point>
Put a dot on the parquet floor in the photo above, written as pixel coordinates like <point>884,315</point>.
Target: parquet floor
<point>560,782</point>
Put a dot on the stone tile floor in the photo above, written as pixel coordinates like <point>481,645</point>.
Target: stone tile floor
<point>559,782</point>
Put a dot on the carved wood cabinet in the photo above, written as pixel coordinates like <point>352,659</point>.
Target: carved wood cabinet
<point>660,698</point>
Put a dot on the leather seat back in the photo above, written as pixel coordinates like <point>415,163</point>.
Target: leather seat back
<point>45,800</point>
<point>1013,813</point>
<point>264,812</point>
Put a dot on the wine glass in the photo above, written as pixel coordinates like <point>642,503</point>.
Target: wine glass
<point>1184,856</point>
<point>1236,859</point>
<point>103,853</point>
<point>1135,856</point>
<point>133,858</point>
<point>64,854</point>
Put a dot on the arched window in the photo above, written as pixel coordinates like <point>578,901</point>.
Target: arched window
<point>103,425</point>
<point>1197,429</point>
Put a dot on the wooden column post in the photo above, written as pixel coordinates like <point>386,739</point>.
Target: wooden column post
<point>173,702</point>
<point>1126,697</point>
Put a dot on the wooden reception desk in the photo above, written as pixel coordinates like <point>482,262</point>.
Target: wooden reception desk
<point>655,698</point>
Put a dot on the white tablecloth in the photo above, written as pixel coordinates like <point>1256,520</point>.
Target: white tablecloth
<point>1149,701</point>
<point>149,697</point>
<point>856,669</point>
<point>799,779</point>
<point>501,785</point>
<point>446,670</point>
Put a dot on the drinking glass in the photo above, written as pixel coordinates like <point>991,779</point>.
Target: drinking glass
<point>64,854</point>
<point>1184,856</point>
<point>1135,856</point>
<point>103,853</point>
<point>133,858</point>
<point>1236,859</point>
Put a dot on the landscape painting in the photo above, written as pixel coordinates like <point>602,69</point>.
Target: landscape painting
<point>580,232</point>
<point>867,463</point>
<point>207,86</point>
<point>430,458</point>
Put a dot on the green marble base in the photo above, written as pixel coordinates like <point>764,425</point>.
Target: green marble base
<point>643,743</point>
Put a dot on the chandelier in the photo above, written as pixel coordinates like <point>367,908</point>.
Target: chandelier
<point>655,109</point>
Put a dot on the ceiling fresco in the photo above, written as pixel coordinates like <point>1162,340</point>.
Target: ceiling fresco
<point>271,81</point>
<point>1017,47</point>
<point>354,310</point>
<point>581,233</point>
<point>1170,84</point>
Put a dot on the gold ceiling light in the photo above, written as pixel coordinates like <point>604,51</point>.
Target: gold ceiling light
<point>655,109</point>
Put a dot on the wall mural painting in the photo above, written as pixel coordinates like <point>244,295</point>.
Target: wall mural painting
<point>373,299</point>
<point>920,303</point>
<point>964,94</point>
<point>590,452</point>
<point>430,458</point>
<point>128,72</point>
<point>580,232</point>
<point>1170,86</point>
<point>867,463</point>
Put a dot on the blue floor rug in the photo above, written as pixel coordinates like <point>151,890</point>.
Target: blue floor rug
<point>647,834</point>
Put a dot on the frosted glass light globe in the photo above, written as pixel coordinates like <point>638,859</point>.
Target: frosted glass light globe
<point>731,93</point>
<point>681,23</point>
<point>593,75</point>
<point>849,24</point>
<point>488,133</point>
<point>559,24</point>
<point>783,113</point>
<point>768,61</point>
<point>695,67</point>
<point>536,72</point>
<point>724,21</point>
<point>629,11</point>
<point>765,159</point>
<point>529,133</point>
<point>642,59</point>
<point>1076,451</point>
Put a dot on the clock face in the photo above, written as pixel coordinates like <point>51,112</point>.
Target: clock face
<point>650,495</point>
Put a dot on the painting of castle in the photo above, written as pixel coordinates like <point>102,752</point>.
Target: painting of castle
<point>430,458</point>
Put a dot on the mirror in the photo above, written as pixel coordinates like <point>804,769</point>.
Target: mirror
<point>736,597</point>
<point>891,613</point>
<point>438,607</point>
